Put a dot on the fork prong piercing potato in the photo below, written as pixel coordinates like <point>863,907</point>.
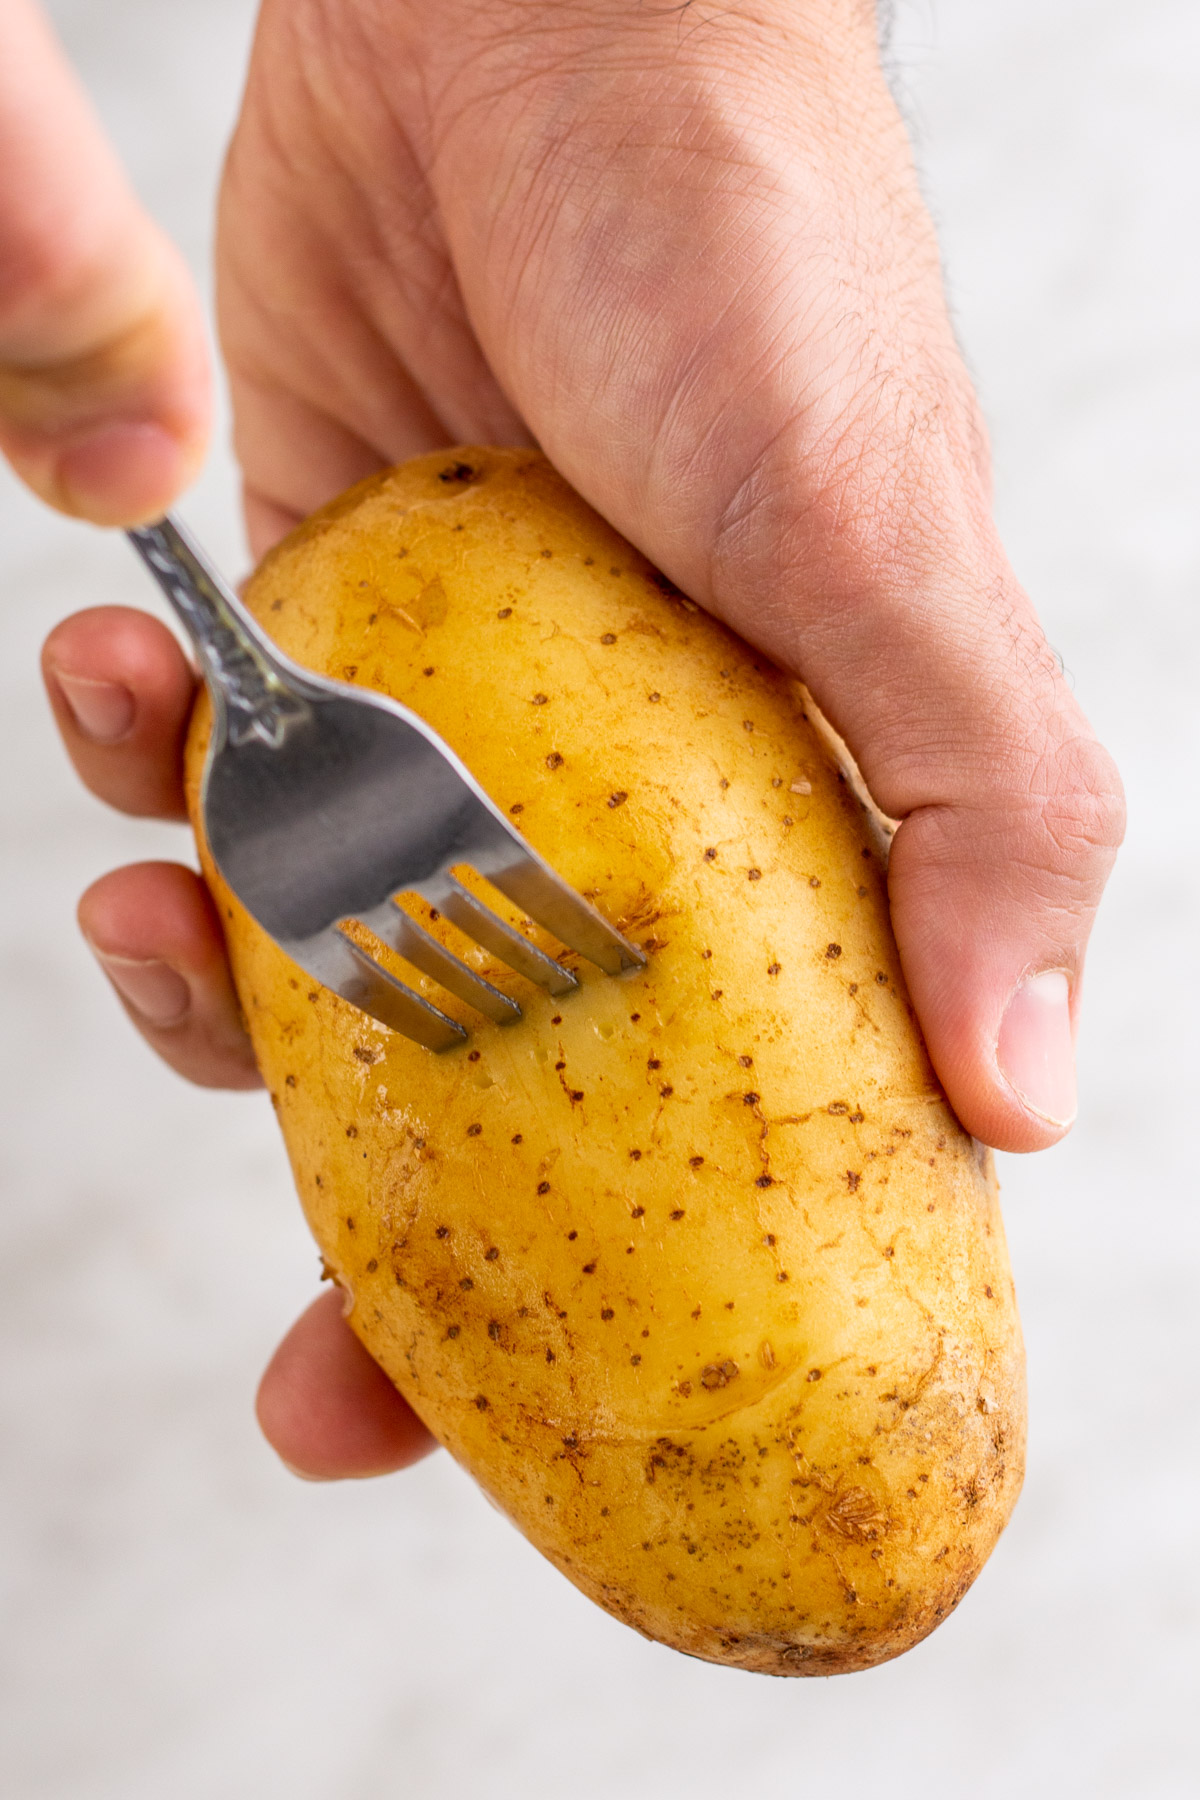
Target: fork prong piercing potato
<point>694,1270</point>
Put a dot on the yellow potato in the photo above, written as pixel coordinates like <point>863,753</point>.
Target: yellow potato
<point>695,1271</point>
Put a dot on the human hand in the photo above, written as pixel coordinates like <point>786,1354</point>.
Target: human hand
<point>686,252</point>
<point>104,407</point>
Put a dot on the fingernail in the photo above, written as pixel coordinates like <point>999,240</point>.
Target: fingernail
<point>1035,1050</point>
<point>121,472</point>
<point>103,710</point>
<point>155,991</point>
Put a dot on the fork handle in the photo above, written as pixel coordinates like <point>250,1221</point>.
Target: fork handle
<point>253,694</point>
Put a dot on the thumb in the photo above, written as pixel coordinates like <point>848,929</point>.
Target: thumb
<point>104,383</point>
<point>914,636</point>
<point>877,575</point>
<point>890,594</point>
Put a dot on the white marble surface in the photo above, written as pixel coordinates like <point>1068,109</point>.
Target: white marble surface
<point>179,1617</point>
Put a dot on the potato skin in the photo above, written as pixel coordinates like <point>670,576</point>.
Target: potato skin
<point>696,1271</point>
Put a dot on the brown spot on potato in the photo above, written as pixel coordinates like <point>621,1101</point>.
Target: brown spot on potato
<point>718,1375</point>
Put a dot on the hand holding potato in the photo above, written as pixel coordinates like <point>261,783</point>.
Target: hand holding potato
<point>688,255</point>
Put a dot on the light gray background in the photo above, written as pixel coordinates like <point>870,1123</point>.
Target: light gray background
<point>180,1617</point>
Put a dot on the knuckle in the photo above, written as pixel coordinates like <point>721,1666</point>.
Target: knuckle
<point>1039,837</point>
<point>1081,802</point>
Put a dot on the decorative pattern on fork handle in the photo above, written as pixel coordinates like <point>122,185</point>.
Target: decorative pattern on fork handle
<point>250,700</point>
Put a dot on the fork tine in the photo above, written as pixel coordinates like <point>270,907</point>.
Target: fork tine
<point>537,890</point>
<point>340,964</point>
<point>480,922</point>
<point>412,942</point>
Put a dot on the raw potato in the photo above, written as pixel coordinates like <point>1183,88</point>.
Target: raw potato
<point>695,1271</point>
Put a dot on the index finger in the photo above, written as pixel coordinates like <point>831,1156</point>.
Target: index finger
<point>104,384</point>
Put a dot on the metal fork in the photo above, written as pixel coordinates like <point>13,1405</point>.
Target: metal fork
<point>323,802</point>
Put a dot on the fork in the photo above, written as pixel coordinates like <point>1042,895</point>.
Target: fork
<point>323,802</point>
